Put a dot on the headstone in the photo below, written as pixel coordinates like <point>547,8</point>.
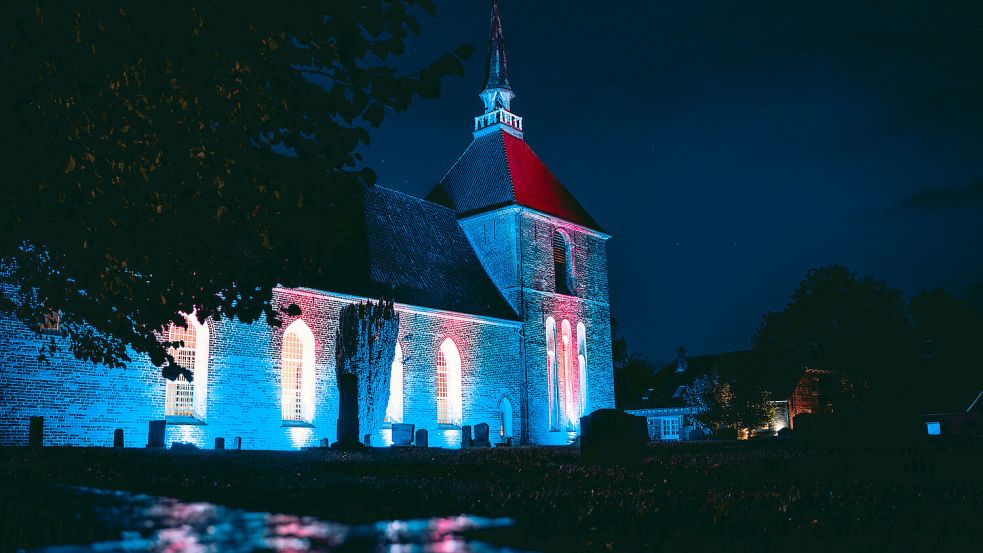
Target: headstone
<point>465,436</point>
<point>118,437</point>
<point>348,411</point>
<point>35,434</point>
<point>155,436</point>
<point>481,435</point>
<point>696,435</point>
<point>237,443</point>
<point>421,438</point>
<point>367,440</point>
<point>610,435</point>
<point>184,446</point>
<point>219,443</point>
<point>325,442</point>
<point>403,434</point>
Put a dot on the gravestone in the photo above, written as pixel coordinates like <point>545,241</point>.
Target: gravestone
<point>367,440</point>
<point>35,434</point>
<point>610,435</point>
<point>403,434</point>
<point>118,437</point>
<point>219,443</point>
<point>325,442</point>
<point>481,435</point>
<point>155,435</point>
<point>237,443</point>
<point>421,438</point>
<point>466,436</point>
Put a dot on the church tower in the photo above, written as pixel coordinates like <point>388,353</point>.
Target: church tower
<point>545,253</point>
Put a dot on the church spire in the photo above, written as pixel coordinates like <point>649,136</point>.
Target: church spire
<point>497,95</point>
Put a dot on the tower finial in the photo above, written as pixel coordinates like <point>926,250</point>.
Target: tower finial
<point>497,95</point>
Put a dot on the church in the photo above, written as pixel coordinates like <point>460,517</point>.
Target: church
<point>499,278</point>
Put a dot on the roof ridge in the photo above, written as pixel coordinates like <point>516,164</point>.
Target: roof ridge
<point>508,165</point>
<point>417,198</point>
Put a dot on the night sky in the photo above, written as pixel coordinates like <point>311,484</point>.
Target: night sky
<point>729,146</point>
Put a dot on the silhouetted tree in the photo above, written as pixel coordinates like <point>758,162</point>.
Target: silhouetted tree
<point>856,324</point>
<point>730,405</point>
<point>632,371</point>
<point>164,158</point>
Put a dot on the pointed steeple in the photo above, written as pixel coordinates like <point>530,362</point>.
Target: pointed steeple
<point>497,95</point>
<point>497,74</point>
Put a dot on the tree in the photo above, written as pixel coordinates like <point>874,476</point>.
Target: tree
<point>166,158</point>
<point>728,405</point>
<point>632,372</point>
<point>860,325</point>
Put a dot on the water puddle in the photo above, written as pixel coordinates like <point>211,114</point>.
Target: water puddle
<point>123,521</point>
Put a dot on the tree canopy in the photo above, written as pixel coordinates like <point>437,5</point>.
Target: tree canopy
<point>164,158</point>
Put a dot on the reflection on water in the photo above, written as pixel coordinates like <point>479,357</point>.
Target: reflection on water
<point>146,523</point>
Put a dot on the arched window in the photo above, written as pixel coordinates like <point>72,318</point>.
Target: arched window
<point>568,374</point>
<point>394,410</point>
<point>188,399</point>
<point>582,363</point>
<point>562,263</point>
<point>505,411</point>
<point>448,384</point>
<point>552,375</point>
<point>297,371</point>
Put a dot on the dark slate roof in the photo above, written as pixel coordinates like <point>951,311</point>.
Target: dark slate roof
<point>499,169</point>
<point>776,371</point>
<point>415,252</point>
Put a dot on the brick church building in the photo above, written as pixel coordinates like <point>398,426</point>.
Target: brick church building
<point>500,281</point>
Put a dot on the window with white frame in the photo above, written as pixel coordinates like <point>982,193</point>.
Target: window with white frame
<point>186,398</point>
<point>297,373</point>
<point>670,428</point>
<point>552,375</point>
<point>448,390</point>
<point>394,409</point>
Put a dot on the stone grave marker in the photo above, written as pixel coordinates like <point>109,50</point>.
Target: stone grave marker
<point>35,435</point>
<point>118,437</point>
<point>155,435</point>
<point>219,443</point>
<point>403,434</point>
<point>481,435</point>
<point>421,438</point>
<point>466,436</point>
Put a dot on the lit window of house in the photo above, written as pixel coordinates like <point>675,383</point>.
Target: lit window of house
<point>448,384</point>
<point>394,410</point>
<point>934,428</point>
<point>186,399</point>
<point>297,374</point>
<point>562,263</point>
<point>670,428</point>
<point>52,322</point>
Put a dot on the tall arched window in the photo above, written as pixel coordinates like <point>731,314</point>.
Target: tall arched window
<point>562,263</point>
<point>394,410</point>
<point>448,384</point>
<point>568,374</point>
<point>582,363</point>
<point>187,399</point>
<point>552,375</point>
<point>297,371</point>
<point>505,412</point>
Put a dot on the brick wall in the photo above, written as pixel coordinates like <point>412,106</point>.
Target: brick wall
<point>83,403</point>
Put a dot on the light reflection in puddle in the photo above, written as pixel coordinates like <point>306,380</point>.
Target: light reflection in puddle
<point>147,523</point>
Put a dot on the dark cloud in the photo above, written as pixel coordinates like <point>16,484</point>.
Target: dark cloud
<point>945,198</point>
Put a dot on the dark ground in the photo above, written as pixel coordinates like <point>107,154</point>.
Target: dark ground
<point>752,496</point>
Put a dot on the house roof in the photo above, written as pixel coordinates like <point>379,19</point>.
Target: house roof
<point>415,252</point>
<point>776,371</point>
<point>500,169</point>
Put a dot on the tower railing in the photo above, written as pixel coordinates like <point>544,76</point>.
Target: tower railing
<point>498,116</point>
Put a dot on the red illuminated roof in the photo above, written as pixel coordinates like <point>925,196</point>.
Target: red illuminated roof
<point>500,169</point>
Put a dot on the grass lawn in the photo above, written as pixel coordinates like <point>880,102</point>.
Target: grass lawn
<point>751,496</point>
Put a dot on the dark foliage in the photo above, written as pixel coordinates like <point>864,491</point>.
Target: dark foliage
<point>632,371</point>
<point>164,158</point>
